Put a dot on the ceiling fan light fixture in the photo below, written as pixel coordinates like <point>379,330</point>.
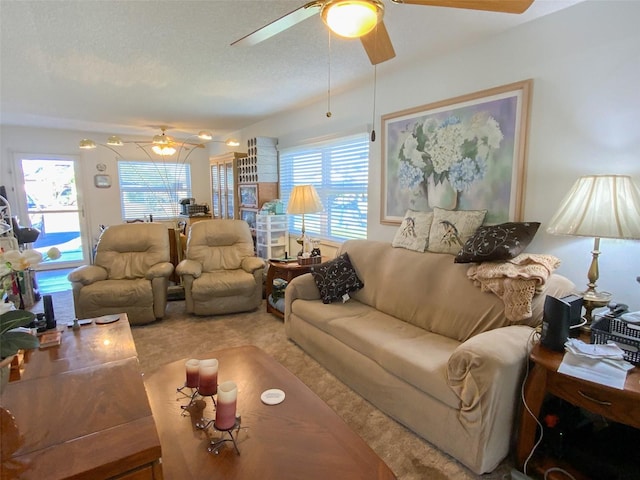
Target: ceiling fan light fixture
<point>114,141</point>
<point>205,135</point>
<point>87,144</point>
<point>163,150</point>
<point>352,18</point>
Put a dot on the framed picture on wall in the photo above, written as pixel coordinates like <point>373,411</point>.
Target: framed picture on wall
<point>463,153</point>
<point>249,215</point>
<point>248,196</point>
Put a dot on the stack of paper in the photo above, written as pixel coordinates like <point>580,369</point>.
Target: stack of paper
<point>599,363</point>
<point>631,317</point>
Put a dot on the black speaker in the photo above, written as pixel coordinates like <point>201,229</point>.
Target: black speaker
<point>48,311</point>
<point>556,321</point>
<point>575,313</point>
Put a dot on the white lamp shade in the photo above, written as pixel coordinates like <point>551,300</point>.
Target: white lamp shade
<point>304,199</point>
<point>603,206</point>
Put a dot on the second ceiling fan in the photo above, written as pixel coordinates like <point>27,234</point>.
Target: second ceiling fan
<point>363,19</point>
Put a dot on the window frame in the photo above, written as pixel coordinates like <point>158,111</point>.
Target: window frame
<point>321,164</point>
<point>172,180</point>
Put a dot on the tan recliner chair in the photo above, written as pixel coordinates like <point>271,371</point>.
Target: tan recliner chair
<point>130,274</point>
<point>221,273</point>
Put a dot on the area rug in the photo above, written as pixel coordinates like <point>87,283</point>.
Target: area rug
<point>180,336</point>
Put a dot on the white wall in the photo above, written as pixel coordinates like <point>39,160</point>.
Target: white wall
<point>585,63</point>
<point>101,205</point>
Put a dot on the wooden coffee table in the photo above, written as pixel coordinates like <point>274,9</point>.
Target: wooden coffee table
<point>301,438</point>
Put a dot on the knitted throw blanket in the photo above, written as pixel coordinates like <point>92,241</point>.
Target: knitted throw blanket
<point>515,281</point>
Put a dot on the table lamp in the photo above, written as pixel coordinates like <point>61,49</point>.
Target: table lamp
<point>304,199</point>
<point>599,206</point>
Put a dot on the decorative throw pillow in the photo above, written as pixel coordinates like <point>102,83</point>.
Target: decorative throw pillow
<point>497,242</point>
<point>413,233</point>
<point>336,279</point>
<point>451,229</point>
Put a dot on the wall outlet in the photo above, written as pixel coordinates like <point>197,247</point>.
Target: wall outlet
<point>517,475</point>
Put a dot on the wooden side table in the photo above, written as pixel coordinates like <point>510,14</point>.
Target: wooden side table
<point>80,410</point>
<point>622,406</point>
<point>287,271</point>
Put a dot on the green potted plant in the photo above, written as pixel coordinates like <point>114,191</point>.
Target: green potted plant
<point>11,262</point>
<point>11,342</point>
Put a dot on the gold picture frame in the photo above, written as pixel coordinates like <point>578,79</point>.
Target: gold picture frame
<point>463,153</point>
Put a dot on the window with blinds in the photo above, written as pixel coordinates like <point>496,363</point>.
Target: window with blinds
<point>150,188</point>
<point>339,171</point>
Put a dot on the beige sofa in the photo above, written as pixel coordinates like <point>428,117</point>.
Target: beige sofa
<point>425,345</point>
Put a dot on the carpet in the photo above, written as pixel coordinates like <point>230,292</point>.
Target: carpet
<point>179,336</point>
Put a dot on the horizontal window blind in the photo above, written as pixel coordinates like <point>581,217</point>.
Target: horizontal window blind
<point>339,171</point>
<point>150,188</point>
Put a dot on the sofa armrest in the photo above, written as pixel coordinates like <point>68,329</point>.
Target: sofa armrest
<point>251,264</point>
<point>485,372</point>
<point>162,269</point>
<point>189,267</point>
<point>301,287</point>
<point>88,274</point>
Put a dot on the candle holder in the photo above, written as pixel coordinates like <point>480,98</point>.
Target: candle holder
<point>191,382</point>
<point>192,397</point>
<point>205,423</point>
<point>215,445</point>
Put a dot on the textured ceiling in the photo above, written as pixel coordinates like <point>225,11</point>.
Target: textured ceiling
<point>130,66</point>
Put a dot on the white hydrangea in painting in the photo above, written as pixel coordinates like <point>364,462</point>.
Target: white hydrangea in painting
<point>455,150</point>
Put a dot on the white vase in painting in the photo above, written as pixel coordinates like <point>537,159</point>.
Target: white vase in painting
<point>441,195</point>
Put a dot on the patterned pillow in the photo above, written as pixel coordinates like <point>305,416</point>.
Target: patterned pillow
<point>451,229</point>
<point>497,242</point>
<point>413,233</point>
<point>336,278</point>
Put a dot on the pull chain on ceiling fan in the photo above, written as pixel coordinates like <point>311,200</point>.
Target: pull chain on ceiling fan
<point>364,19</point>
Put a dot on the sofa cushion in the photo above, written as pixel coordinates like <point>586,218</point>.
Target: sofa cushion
<point>404,350</point>
<point>432,292</point>
<point>129,250</point>
<point>413,233</point>
<point>451,228</point>
<point>497,242</point>
<point>223,283</point>
<point>336,278</point>
<point>118,293</point>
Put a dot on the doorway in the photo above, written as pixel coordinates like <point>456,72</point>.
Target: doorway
<point>52,202</point>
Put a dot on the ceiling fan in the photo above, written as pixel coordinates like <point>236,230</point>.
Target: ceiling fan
<point>363,19</point>
<point>162,144</point>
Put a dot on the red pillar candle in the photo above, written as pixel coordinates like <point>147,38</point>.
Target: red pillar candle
<point>193,367</point>
<point>226,408</point>
<point>208,372</point>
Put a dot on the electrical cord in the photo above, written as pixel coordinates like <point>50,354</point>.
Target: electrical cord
<point>557,469</point>
<point>530,342</point>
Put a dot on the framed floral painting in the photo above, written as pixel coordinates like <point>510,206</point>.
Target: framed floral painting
<point>464,153</point>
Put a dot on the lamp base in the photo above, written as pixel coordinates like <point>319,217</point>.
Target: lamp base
<point>303,241</point>
<point>592,300</point>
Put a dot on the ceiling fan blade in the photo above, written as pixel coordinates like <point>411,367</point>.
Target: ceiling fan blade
<point>505,6</point>
<point>378,45</point>
<point>280,25</point>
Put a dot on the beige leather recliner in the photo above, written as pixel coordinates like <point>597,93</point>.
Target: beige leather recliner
<point>130,274</point>
<point>221,273</point>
